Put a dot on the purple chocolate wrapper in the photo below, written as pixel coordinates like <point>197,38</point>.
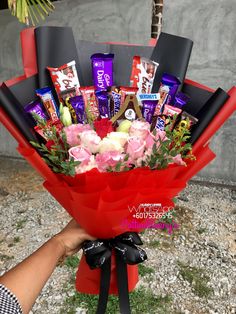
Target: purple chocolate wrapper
<point>148,109</point>
<point>181,100</point>
<point>168,89</point>
<point>102,70</point>
<point>77,104</point>
<point>36,107</point>
<point>117,101</point>
<point>103,103</point>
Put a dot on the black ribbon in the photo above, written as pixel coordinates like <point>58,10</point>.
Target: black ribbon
<point>98,255</point>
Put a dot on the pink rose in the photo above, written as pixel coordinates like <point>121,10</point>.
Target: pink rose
<point>108,159</point>
<point>73,131</point>
<point>79,153</point>
<point>178,160</point>
<point>135,147</point>
<point>90,140</point>
<point>151,138</point>
<point>139,129</point>
<point>147,154</point>
<point>87,162</point>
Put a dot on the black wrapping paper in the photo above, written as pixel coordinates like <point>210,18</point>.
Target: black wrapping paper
<point>10,103</point>
<point>24,90</point>
<point>207,112</point>
<point>173,54</point>
<point>85,49</point>
<point>198,98</point>
<point>122,64</point>
<point>55,46</point>
<point>123,61</point>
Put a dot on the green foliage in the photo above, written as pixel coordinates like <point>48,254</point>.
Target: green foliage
<point>57,157</point>
<point>163,151</point>
<point>30,11</point>
<point>144,270</point>
<point>16,239</point>
<point>121,166</point>
<point>168,219</point>
<point>201,230</point>
<point>154,244</point>
<point>89,115</point>
<point>20,224</point>
<point>197,278</point>
<point>141,301</point>
<point>72,261</point>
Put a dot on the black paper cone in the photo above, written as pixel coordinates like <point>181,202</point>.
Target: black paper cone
<point>208,112</point>
<point>55,46</point>
<point>173,54</point>
<point>14,109</point>
<point>198,98</point>
<point>24,90</point>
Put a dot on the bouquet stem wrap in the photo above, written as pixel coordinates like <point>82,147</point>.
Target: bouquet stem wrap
<point>101,254</point>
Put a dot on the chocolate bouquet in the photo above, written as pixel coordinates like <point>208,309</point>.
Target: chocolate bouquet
<point>114,130</point>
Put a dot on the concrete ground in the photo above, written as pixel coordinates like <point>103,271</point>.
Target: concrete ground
<point>192,270</point>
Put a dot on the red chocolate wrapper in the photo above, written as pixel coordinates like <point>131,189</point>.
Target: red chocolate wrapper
<point>143,74</point>
<point>171,111</point>
<point>90,102</point>
<point>127,90</point>
<point>44,132</point>
<point>168,117</point>
<point>65,78</point>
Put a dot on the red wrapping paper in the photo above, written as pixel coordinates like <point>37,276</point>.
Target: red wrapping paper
<point>28,52</point>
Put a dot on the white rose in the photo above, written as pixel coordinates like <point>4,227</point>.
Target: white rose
<point>90,140</point>
<point>107,145</point>
<point>119,137</point>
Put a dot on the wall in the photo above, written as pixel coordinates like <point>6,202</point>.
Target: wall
<point>211,24</point>
<point>103,20</point>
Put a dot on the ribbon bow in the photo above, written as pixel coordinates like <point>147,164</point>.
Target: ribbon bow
<point>98,255</point>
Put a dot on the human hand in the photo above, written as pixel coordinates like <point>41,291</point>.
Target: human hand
<point>72,237</point>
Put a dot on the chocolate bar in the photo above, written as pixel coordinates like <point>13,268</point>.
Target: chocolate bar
<point>36,108</point>
<point>78,109</point>
<point>49,102</point>
<point>148,109</point>
<point>168,88</point>
<point>90,102</point>
<point>102,70</point>
<point>103,103</point>
<point>181,100</point>
<point>143,74</point>
<point>65,78</point>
